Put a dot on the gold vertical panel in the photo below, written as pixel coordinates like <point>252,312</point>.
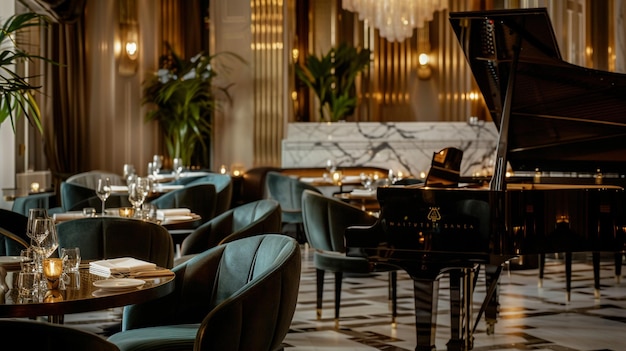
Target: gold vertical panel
<point>269,71</point>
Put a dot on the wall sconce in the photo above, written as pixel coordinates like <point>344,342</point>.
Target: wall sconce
<point>423,70</point>
<point>129,37</point>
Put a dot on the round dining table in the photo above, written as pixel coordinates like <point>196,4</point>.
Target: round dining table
<point>81,295</point>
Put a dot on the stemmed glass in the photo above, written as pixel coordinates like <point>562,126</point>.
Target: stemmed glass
<point>46,239</point>
<point>177,166</point>
<point>34,214</point>
<point>103,190</point>
<point>136,195</point>
<point>157,164</point>
<point>366,180</point>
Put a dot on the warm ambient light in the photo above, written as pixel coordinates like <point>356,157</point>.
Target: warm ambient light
<point>131,49</point>
<point>423,59</point>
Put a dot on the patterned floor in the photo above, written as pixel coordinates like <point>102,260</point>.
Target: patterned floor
<point>531,317</point>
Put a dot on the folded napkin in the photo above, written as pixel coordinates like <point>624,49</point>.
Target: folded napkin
<point>313,179</point>
<point>66,216</point>
<point>363,193</point>
<point>168,212</point>
<point>123,265</point>
<point>162,188</point>
<point>119,188</point>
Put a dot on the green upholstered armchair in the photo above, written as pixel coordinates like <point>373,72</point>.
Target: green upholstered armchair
<point>258,217</point>
<point>22,204</point>
<point>110,237</point>
<point>325,222</point>
<point>13,238</point>
<point>201,199</point>
<point>287,190</point>
<point>43,336</point>
<point>238,296</point>
<point>75,197</point>
<point>223,188</point>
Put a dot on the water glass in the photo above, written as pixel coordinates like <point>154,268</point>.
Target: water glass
<point>28,285</point>
<point>71,258</point>
<point>89,212</point>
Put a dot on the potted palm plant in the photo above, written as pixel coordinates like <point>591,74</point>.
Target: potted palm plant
<point>16,92</point>
<point>183,94</point>
<point>332,77</point>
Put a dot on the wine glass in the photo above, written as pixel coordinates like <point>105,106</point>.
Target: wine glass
<point>136,195</point>
<point>177,165</point>
<point>103,190</point>
<point>45,236</point>
<point>157,164</point>
<point>33,214</point>
<point>366,180</point>
<point>128,170</point>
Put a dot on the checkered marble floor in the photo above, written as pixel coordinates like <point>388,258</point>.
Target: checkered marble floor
<point>531,317</point>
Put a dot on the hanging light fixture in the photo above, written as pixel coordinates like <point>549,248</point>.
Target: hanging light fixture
<point>395,19</point>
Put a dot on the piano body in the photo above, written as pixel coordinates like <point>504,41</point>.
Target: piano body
<point>555,119</point>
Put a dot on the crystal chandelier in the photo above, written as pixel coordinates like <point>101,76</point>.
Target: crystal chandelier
<point>395,19</point>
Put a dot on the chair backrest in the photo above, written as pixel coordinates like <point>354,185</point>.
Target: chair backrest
<point>244,293</point>
<point>13,236</point>
<point>326,219</point>
<point>201,199</point>
<point>258,217</point>
<point>76,197</point>
<point>223,187</point>
<point>254,185</point>
<point>22,204</point>
<point>287,190</point>
<point>110,237</point>
<point>43,336</point>
<point>90,179</point>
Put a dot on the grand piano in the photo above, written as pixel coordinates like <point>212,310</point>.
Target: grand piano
<point>561,132</point>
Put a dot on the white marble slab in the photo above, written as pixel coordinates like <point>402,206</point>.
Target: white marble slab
<point>403,146</point>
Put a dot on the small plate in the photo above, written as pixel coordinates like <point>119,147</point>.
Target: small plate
<point>118,284</point>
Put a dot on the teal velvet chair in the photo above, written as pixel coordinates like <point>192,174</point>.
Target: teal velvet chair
<point>223,188</point>
<point>22,204</point>
<point>201,199</point>
<point>262,216</point>
<point>237,296</point>
<point>287,190</point>
<point>89,179</point>
<point>325,222</point>
<point>75,197</point>
<point>110,237</point>
<point>13,238</point>
<point>23,334</point>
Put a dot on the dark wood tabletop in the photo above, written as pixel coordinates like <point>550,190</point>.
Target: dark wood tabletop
<point>82,297</point>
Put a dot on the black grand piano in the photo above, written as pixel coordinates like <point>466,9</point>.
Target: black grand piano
<point>561,126</point>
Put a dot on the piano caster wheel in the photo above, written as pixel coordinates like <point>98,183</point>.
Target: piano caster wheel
<point>491,327</point>
<point>318,313</point>
<point>596,294</point>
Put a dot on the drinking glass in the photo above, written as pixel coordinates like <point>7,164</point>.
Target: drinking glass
<point>45,229</point>
<point>103,190</point>
<point>136,196</point>
<point>71,258</point>
<point>145,185</point>
<point>128,170</point>
<point>366,180</point>
<point>33,214</point>
<point>177,166</point>
<point>157,164</point>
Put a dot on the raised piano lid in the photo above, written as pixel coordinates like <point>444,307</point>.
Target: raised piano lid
<point>563,117</point>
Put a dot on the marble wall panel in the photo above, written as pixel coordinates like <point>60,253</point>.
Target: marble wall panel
<point>402,146</point>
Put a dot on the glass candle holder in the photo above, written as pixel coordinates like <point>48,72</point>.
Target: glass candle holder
<point>127,212</point>
<point>52,270</point>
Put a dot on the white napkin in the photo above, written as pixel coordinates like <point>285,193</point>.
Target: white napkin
<point>168,212</point>
<point>162,188</point>
<point>129,265</point>
<point>119,188</point>
<point>363,193</point>
<point>313,179</point>
<point>66,216</point>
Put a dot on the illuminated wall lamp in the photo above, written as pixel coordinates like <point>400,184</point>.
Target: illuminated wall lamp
<point>423,70</point>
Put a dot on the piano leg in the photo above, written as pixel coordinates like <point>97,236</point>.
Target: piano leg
<point>618,266</point>
<point>492,276</point>
<point>426,294</point>
<point>568,276</point>
<point>595,258</point>
<point>461,288</point>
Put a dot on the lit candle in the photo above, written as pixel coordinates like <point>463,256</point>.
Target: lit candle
<point>34,187</point>
<point>52,269</point>
<point>126,212</point>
